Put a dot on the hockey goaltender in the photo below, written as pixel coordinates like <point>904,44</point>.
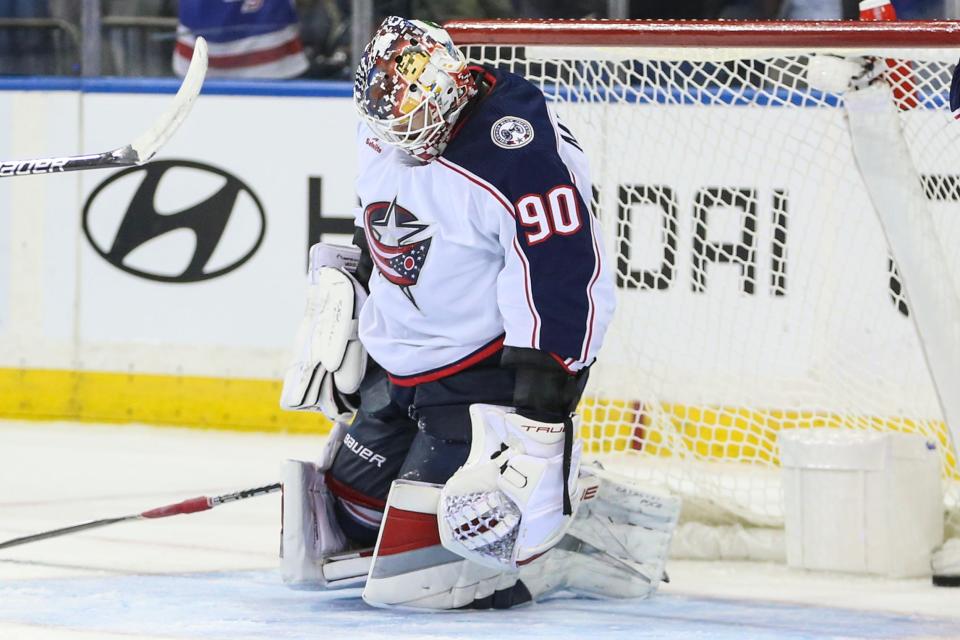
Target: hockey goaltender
<point>450,346</point>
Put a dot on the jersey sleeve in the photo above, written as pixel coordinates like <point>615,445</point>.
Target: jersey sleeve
<point>555,291</point>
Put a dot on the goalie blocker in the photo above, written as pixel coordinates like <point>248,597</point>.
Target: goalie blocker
<point>329,361</point>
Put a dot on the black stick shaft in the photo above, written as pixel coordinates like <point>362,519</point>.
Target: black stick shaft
<point>192,505</point>
<point>246,493</point>
<point>54,533</point>
<point>39,166</point>
<point>140,150</point>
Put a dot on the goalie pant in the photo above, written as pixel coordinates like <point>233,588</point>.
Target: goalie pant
<point>419,433</point>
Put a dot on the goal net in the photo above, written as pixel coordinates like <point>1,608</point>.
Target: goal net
<point>759,286</point>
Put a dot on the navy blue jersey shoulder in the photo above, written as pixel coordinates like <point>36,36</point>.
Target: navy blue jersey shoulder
<point>533,167</point>
<point>559,248</point>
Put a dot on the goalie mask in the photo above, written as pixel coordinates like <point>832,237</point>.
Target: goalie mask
<point>410,86</point>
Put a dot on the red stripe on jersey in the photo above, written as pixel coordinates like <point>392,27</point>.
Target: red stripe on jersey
<point>563,363</point>
<point>341,490</point>
<point>358,513</point>
<point>466,362</point>
<point>254,58</point>
<point>593,306</point>
<point>407,531</point>
<point>535,335</point>
<point>477,181</point>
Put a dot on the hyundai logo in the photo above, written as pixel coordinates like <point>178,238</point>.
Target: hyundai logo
<point>174,221</point>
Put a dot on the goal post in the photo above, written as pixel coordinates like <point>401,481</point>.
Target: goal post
<point>784,243</point>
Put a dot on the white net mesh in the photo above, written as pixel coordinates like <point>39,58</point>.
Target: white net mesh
<point>756,288</point>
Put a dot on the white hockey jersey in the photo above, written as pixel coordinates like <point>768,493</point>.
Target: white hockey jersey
<point>491,244</point>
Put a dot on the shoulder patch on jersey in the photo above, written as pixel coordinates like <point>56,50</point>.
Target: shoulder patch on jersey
<point>511,132</point>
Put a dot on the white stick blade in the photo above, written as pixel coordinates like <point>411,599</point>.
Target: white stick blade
<point>150,142</point>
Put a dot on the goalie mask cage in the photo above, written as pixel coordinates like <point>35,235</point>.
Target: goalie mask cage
<point>774,270</point>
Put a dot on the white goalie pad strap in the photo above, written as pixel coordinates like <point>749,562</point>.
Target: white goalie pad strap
<point>411,569</point>
<point>504,506</point>
<point>348,569</point>
<point>309,531</point>
<point>329,361</point>
<point>617,546</point>
<point>338,256</point>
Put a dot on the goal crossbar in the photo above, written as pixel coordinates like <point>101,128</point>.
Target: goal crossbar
<point>776,34</point>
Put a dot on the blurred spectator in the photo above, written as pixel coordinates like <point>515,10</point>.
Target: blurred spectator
<point>566,9</point>
<point>920,9</point>
<point>671,9</point>
<point>849,9</point>
<point>751,9</point>
<point>247,38</point>
<point>813,10</point>
<point>325,28</point>
<point>25,49</point>
<point>135,48</point>
<point>442,10</point>
<point>704,9</point>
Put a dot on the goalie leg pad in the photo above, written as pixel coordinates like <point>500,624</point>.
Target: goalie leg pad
<point>309,530</point>
<point>412,569</point>
<point>617,545</point>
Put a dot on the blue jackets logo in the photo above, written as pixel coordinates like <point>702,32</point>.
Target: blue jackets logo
<point>398,242</point>
<point>174,221</point>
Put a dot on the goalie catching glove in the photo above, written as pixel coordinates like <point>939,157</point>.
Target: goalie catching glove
<point>508,503</point>
<point>329,361</point>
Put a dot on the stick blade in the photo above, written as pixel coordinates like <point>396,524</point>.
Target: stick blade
<point>147,145</point>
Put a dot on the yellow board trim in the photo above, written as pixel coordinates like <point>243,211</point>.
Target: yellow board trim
<point>715,433</point>
<point>186,401</point>
<point>706,433</point>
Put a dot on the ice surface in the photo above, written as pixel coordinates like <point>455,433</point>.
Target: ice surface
<point>213,574</point>
<point>235,605</point>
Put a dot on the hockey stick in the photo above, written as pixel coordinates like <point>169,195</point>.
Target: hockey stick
<point>141,149</point>
<point>187,506</point>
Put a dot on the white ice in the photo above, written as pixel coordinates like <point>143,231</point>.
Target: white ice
<point>213,574</point>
